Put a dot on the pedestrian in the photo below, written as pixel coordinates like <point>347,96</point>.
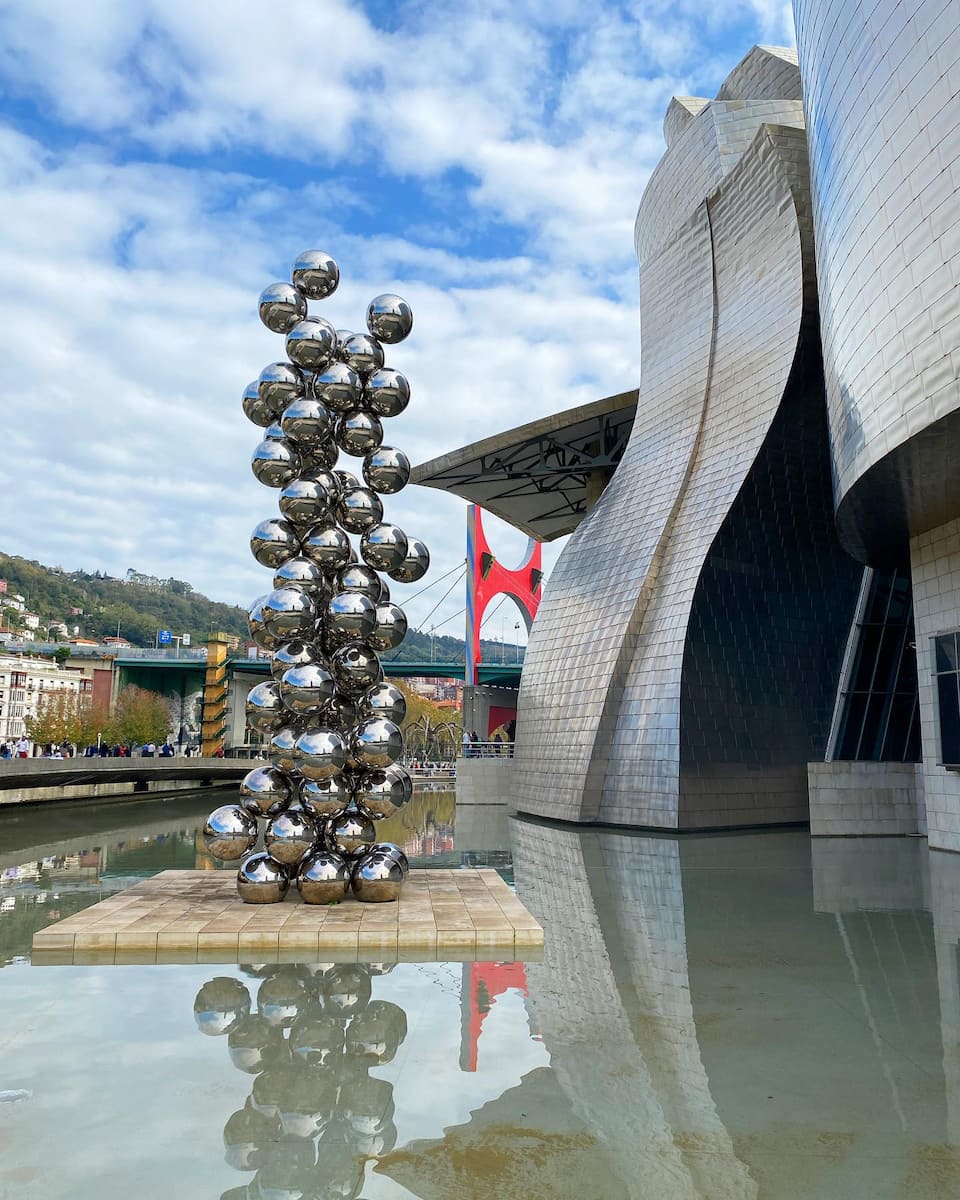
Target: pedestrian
<point>22,747</point>
<point>466,744</point>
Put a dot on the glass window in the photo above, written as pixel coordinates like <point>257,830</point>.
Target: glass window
<point>945,651</point>
<point>949,700</point>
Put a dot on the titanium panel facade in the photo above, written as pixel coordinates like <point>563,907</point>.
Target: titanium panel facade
<point>880,90</point>
<point>726,472</point>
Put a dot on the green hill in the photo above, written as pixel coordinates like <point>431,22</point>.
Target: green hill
<point>140,605</point>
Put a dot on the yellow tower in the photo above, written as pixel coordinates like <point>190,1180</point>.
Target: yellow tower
<point>215,692</point>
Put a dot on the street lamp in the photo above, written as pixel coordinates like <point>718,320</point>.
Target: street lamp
<point>516,641</point>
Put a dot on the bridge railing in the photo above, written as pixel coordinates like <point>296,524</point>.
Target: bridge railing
<point>492,749</point>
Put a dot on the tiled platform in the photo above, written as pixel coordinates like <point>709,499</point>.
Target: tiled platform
<point>196,916</point>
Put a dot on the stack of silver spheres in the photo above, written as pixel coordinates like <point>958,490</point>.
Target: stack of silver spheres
<point>332,721</point>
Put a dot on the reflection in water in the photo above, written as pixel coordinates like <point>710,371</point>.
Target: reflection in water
<point>314,1113</point>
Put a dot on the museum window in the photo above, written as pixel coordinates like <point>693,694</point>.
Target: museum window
<point>946,661</point>
<point>880,714</point>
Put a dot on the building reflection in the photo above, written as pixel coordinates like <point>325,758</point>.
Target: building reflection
<point>308,1037</point>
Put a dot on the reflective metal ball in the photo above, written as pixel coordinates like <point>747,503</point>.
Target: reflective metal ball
<point>258,631</point>
<point>377,879</point>
<point>273,542</point>
<point>384,547</point>
<point>353,834</point>
<point>306,423</point>
<point>322,754</point>
<point>320,457</point>
<point>350,616</point>
<point>359,578</point>
<point>316,1039</point>
<point>392,850</point>
<point>300,572</point>
<point>389,318</point>
<point>280,383</point>
<point>327,797</point>
<point>273,432</point>
<point>358,510</point>
<point>229,833</point>
<point>262,880</point>
<point>311,343</point>
<point>307,501</point>
<point>323,878</point>
<point>390,629</point>
<point>315,274</point>
<point>265,791</point>
<point>376,743</point>
<point>355,667</point>
<point>305,689</point>
<point>415,565</point>
<point>338,386</point>
<point>274,463</point>
<point>254,408</point>
<point>361,352</point>
<point>293,654</point>
<point>386,392</point>
<point>221,1004</point>
<point>386,470</point>
<point>384,700</point>
<point>254,1045</point>
<point>281,306</point>
<point>282,750</point>
<point>375,1034</point>
<point>280,998</point>
<point>347,992</point>
<point>290,835</point>
<point>381,793</point>
<point>328,547</point>
<point>341,713</point>
<point>289,613</point>
<point>358,433</point>
<point>264,707</point>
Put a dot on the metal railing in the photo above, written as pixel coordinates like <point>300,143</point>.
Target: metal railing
<point>493,749</point>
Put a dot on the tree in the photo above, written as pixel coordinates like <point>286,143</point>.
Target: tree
<point>139,717</point>
<point>58,718</point>
<point>61,654</point>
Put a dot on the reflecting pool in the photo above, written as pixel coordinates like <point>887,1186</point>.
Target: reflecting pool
<point>729,1016</point>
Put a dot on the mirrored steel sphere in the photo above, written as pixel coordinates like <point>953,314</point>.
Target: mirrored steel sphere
<point>273,542</point>
<point>342,713</point>
<point>306,423</point>
<point>358,433</point>
<point>323,878</point>
<point>315,274</point>
<point>258,631</point>
<point>376,743</point>
<point>254,408</point>
<point>281,306</point>
<point>281,998</point>
<point>353,834</point>
<point>307,501</point>
<point>361,352</point>
<point>389,318</point>
<point>358,510</point>
<point>289,613</point>
<point>273,432</point>
<point>274,463</point>
<point>221,1005</point>
<point>280,383</point>
<point>229,833</point>
<point>347,992</point>
<point>320,457</point>
<point>254,1045</point>
<point>264,707</point>
<point>262,880</point>
<point>384,700</point>
<point>386,470</point>
<point>300,572</point>
<point>316,1039</point>
<point>355,668</point>
<point>290,836</point>
<point>293,654</point>
<point>347,480</point>
<point>327,797</point>
<point>390,629</point>
<point>283,751</point>
<point>328,547</point>
<point>305,689</point>
<point>265,791</point>
<point>377,879</point>
<point>359,578</point>
<point>312,343</point>
<point>350,616</point>
<point>376,1034</point>
<point>415,565</point>
<point>393,851</point>
<point>322,754</point>
<point>384,547</point>
<point>386,392</point>
<point>338,386</point>
<point>381,794</point>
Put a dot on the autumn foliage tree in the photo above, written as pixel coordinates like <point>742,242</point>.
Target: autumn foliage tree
<point>139,717</point>
<point>58,719</point>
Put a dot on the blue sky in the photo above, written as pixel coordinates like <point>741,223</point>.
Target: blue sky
<point>162,161</point>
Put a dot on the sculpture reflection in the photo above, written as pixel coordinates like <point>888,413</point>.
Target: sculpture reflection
<point>309,1036</point>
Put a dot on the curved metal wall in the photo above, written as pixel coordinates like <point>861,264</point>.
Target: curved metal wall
<point>883,123</point>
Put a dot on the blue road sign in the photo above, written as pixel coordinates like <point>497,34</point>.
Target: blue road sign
<point>164,637</point>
